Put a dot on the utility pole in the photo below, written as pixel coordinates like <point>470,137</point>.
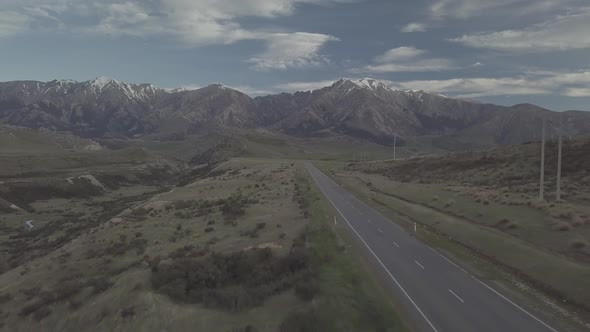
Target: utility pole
<point>542,181</point>
<point>560,135</point>
<point>394,145</point>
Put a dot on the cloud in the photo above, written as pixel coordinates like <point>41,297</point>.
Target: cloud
<point>542,83</point>
<point>415,27</point>
<point>292,50</point>
<point>463,9</point>
<point>305,86</point>
<point>193,22</point>
<point>562,33</point>
<point>12,23</point>
<point>252,91</point>
<point>577,92</point>
<point>399,54</point>
<point>571,84</point>
<point>405,59</point>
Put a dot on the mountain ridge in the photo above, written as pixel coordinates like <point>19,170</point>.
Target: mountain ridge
<point>365,108</point>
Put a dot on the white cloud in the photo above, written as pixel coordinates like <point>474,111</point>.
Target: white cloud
<point>252,91</point>
<point>399,54</point>
<point>475,87</point>
<point>305,86</point>
<point>411,66</point>
<point>565,32</point>
<point>577,92</point>
<point>405,59</point>
<point>543,83</point>
<point>193,22</point>
<point>471,8</point>
<point>574,84</point>
<point>12,23</point>
<point>415,27</point>
<point>292,50</point>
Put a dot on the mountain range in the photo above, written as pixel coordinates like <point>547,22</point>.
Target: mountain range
<point>367,109</point>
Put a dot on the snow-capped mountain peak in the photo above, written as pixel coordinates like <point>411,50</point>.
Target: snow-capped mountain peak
<point>370,83</point>
<point>364,83</point>
<point>101,82</point>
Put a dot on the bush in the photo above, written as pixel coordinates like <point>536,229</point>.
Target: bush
<point>230,281</point>
<point>578,244</point>
<point>5,297</point>
<point>99,284</point>
<point>562,226</point>
<point>128,312</point>
<point>304,321</point>
<point>306,289</point>
<point>41,313</point>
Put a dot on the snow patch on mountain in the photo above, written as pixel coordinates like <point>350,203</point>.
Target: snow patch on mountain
<point>102,81</point>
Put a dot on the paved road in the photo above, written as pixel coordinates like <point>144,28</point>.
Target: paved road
<point>438,295</point>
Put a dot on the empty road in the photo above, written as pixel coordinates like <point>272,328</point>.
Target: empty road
<point>438,295</point>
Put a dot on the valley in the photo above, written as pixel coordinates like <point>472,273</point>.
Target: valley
<point>128,207</point>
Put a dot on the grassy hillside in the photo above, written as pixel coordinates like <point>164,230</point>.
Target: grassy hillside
<point>245,246</point>
<point>18,139</point>
<point>487,203</point>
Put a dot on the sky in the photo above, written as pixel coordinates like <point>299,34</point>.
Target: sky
<point>501,51</point>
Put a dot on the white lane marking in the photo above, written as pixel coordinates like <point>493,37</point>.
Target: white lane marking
<point>379,260</point>
<point>448,260</point>
<point>481,282</point>
<point>420,265</point>
<point>380,231</point>
<point>516,305</point>
<point>457,296</point>
<point>397,245</point>
<point>370,208</point>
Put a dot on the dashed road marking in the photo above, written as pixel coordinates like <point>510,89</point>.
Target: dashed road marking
<point>376,257</point>
<point>420,265</point>
<point>457,296</point>
<point>397,245</point>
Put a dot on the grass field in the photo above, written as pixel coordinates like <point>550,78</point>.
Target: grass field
<point>130,255</point>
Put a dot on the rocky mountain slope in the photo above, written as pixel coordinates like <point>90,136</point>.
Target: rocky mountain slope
<point>366,109</point>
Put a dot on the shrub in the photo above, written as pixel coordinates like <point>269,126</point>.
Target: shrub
<point>562,226</point>
<point>41,313</point>
<point>5,297</point>
<point>230,281</point>
<point>128,312</point>
<point>449,203</point>
<point>306,289</point>
<point>578,244</point>
<point>303,321</point>
<point>99,284</point>
<point>577,221</point>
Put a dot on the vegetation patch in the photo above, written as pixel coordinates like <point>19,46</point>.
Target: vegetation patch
<point>233,281</point>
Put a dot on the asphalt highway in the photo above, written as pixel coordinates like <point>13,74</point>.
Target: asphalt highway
<point>438,295</point>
